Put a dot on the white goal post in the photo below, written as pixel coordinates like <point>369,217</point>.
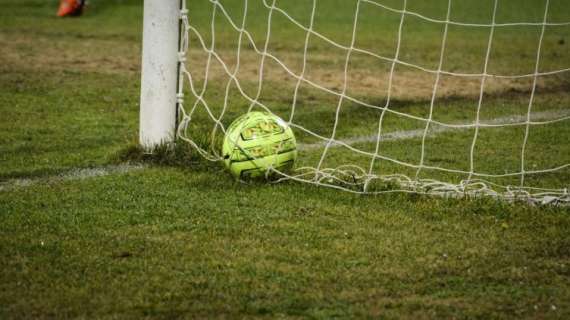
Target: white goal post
<point>161,35</point>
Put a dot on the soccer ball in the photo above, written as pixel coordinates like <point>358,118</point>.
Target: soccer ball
<point>257,141</point>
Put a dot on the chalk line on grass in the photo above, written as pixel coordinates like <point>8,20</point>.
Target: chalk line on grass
<point>85,173</point>
<point>435,129</point>
<point>73,174</point>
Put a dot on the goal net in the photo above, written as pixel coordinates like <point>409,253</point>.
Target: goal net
<point>441,97</point>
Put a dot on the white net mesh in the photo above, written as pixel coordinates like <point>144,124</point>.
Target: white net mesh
<point>384,98</point>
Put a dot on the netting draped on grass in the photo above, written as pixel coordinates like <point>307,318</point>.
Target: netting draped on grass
<point>389,96</point>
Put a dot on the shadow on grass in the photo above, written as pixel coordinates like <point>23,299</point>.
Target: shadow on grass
<point>178,154</point>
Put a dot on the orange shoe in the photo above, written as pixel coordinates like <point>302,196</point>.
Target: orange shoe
<point>70,8</point>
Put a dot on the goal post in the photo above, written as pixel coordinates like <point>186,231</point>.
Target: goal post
<point>161,30</point>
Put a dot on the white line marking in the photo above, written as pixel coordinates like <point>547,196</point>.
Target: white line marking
<point>74,174</point>
<point>85,173</point>
<point>434,130</point>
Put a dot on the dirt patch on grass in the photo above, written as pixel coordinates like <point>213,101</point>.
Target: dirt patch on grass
<point>363,78</point>
<point>28,52</point>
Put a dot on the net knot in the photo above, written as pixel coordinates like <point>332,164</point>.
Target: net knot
<point>183,14</point>
<point>180,98</point>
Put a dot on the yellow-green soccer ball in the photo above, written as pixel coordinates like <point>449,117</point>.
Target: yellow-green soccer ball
<point>257,141</point>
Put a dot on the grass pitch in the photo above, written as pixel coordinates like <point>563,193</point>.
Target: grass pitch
<point>178,238</point>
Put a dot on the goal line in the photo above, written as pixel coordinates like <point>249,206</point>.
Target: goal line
<point>540,117</point>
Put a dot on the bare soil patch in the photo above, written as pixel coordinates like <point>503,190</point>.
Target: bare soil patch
<point>327,71</point>
<point>35,53</point>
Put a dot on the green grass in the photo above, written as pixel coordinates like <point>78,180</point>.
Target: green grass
<point>169,242</point>
<point>181,239</point>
